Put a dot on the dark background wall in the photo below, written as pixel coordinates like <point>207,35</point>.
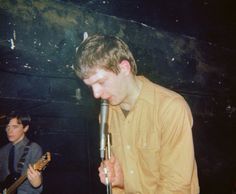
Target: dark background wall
<point>195,59</point>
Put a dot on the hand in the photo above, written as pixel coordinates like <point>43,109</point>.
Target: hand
<point>115,173</point>
<point>34,176</point>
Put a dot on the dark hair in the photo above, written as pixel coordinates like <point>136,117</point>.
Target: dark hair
<point>105,52</point>
<point>22,117</point>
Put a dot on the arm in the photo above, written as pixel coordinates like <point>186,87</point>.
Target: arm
<point>34,176</point>
<point>177,153</point>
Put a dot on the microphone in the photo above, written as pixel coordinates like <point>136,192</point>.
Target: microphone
<point>103,127</point>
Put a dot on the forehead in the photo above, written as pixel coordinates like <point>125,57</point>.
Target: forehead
<point>95,76</point>
<point>14,121</point>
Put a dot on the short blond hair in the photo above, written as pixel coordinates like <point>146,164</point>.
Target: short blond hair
<point>105,52</point>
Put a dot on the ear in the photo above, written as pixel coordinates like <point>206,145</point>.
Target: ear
<point>26,128</point>
<point>125,66</point>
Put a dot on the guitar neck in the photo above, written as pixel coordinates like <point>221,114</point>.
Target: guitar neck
<point>39,165</point>
<point>16,184</point>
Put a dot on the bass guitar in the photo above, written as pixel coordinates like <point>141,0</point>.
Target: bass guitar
<point>12,182</point>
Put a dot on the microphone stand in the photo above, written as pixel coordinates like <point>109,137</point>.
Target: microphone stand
<point>108,156</point>
<point>105,142</point>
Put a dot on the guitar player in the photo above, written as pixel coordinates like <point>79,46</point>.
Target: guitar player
<point>17,156</point>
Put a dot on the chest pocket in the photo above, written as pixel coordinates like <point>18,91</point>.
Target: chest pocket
<point>148,148</point>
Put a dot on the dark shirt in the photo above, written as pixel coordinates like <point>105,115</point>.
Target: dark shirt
<point>34,153</point>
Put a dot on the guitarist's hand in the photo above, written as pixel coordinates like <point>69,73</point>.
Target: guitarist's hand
<point>34,176</point>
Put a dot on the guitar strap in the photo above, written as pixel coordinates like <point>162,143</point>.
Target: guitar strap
<point>21,162</point>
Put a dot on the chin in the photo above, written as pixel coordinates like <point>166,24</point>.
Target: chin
<point>114,103</point>
<point>11,139</point>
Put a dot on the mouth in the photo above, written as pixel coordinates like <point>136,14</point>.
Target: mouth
<point>109,99</point>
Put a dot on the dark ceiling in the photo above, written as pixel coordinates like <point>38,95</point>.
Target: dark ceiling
<point>208,20</point>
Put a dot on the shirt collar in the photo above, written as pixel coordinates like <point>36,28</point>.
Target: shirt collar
<point>23,142</point>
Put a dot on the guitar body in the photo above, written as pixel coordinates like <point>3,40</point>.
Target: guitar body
<point>13,181</point>
<point>11,178</point>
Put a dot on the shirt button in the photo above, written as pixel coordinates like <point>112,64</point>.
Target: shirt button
<point>131,172</point>
<point>128,147</point>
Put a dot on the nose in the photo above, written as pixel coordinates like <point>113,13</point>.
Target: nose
<point>97,91</point>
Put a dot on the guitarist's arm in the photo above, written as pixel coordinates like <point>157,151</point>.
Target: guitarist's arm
<point>34,154</point>
<point>34,177</point>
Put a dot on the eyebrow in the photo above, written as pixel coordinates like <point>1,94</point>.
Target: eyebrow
<point>15,125</point>
<point>94,80</point>
<point>88,82</point>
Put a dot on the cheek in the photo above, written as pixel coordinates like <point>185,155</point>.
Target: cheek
<point>115,84</point>
<point>18,133</point>
<point>119,86</point>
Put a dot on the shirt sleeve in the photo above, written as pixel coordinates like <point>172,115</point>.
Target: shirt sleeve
<point>177,152</point>
<point>34,155</point>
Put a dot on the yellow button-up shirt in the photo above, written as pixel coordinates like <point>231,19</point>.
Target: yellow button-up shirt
<point>154,143</point>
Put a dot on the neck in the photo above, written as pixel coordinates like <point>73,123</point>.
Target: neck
<point>20,139</point>
<point>134,89</point>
